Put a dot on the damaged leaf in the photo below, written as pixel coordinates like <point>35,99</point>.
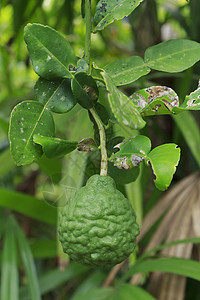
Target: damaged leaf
<point>107,11</point>
<point>191,102</point>
<point>56,95</point>
<point>131,152</point>
<point>87,145</point>
<point>155,100</point>
<point>123,109</point>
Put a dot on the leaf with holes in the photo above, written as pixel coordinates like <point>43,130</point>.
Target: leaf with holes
<point>172,56</point>
<point>107,11</point>
<point>123,109</point>
<point>54,147</point>
<point>50,52</point>
<point>155,100</point>
<point>28,118</point>
<point>55,95</point>
<point>127,70</point>
<point>85,90</point>
<point>191,102</point>
<point>164,160</point>
<point>131,152</point>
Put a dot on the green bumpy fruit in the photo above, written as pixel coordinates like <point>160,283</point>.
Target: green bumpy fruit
<point>98,226</point>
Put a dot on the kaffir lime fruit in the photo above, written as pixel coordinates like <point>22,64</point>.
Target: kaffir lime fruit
<point>98,226</point>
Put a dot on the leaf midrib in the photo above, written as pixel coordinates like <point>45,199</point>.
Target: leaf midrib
<point>49,52</point>
<point>111,12</point>
<point>40,116</point>
<point>147,64</point>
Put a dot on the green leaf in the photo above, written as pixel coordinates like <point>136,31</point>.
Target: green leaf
<point>50,53</point>
<point>28,205</point>
<point>96,294</point>
<point>107,11</point>
<point>44,248</point>
<point>122,176</point>
<point>85,89</point>
<point>55,95</point>
<point>123,109</point>
<point>160,247</point>
<point>191,102</point>
<point>9,275</point>
<point>28,118</point>
<point>54,147</point>
<point>180,266</point>
<point>28,262</point>
<point>132,152</point>
<point>127,70</point>
<point>91,282</point>
<point>130,292</point>
<point>190,131</point>
<point>164,160</point>
<point>155,100</point>
<point>172,56</point>
<point>54,278</point>
<point>6,163</point>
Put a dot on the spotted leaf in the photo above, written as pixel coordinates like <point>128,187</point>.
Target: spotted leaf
<point>28,118</point>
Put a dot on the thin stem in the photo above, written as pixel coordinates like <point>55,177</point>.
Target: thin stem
<point>104,159</point>
<point>88,23</point>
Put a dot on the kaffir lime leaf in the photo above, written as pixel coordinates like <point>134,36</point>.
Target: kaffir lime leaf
<point>98,226</point>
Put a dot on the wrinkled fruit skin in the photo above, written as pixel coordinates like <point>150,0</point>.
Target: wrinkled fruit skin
<point>98,226</point>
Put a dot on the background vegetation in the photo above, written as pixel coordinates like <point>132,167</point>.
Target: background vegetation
<point>30,252</point>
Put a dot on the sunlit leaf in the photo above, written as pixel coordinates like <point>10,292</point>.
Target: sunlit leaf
<point>164,160</point>
<point>55,95</point>
<point>28,118</point>
<point>54,147</point>
<point>50,53</point>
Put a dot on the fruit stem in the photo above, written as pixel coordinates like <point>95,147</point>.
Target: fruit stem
<point>88,23</point>
<point>104,158</point>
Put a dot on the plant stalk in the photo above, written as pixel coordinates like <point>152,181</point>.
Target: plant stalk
<point>104,158</point>
<point>88,23</point>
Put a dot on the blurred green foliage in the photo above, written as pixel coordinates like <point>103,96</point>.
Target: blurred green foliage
<point>27,194</point>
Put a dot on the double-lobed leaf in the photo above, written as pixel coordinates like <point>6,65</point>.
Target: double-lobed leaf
<point>107,11</point>
<point>50,53</point>
<point>163,159</point>
<point>55,95</point>
<point>174,55</point>
<point>28,118</point>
